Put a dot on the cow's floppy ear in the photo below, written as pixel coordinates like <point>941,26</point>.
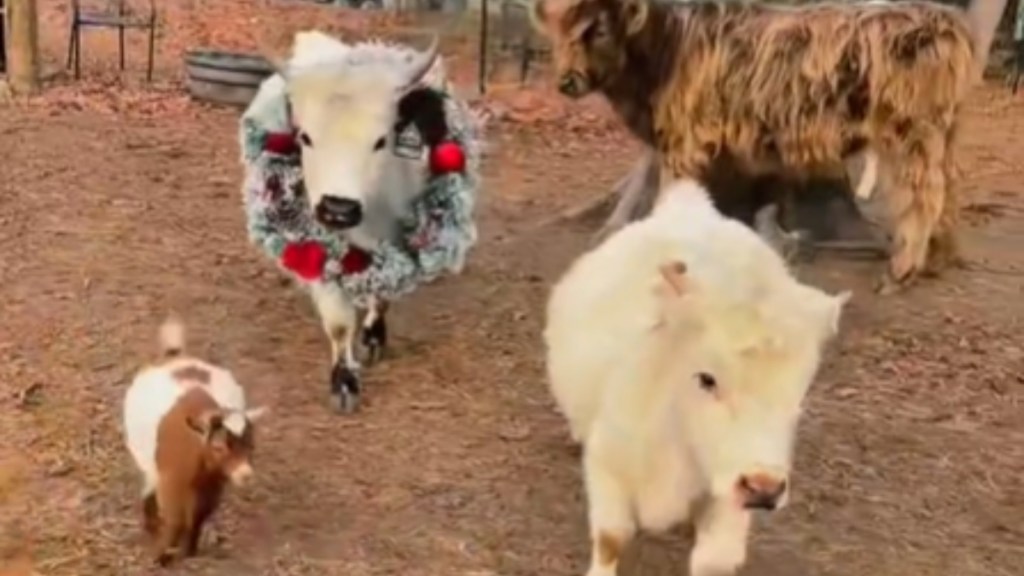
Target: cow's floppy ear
<point>634,15</point>
<point>424,108</point>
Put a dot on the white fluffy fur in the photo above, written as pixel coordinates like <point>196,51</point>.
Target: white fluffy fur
<point>624,350</point>
<point>154,391</point>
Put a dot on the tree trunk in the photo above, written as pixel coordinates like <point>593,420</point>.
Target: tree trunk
<point>23,25</point>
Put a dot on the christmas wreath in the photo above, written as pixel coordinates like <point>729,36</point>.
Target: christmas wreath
<point>436,238</point>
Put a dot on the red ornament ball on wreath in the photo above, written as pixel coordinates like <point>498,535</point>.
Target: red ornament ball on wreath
<point>447,157</point>
<point>355,261</point>
<point>305,259</point>
<point>282,143</point>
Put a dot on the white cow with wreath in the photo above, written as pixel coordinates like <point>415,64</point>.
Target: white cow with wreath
<point>361,176</point>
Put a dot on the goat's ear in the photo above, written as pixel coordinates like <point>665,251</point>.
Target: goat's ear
<point>634,15</point>
<point>254,414</point>
<point>539,15</point>
<point>206,423</point>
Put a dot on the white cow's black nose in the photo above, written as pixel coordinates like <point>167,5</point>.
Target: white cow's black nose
<point>339,213</point>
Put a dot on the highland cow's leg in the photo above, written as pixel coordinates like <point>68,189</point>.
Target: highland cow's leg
<point>338,316</point>
<point>721,546</point>
<point>636,192</point>
<point>918,196</point>
<point>944,249</point>
<point>611,519</point>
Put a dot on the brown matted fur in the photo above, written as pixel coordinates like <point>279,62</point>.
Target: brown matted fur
<point>789,90</point>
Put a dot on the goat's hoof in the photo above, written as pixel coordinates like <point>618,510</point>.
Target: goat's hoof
<point>345,389</point>
<point>164,559</point>
<point>375,339</point>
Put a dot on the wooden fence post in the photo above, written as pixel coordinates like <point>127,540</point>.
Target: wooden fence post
<point>23,43</point>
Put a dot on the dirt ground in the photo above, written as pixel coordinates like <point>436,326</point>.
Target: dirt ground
<point>909,463</point>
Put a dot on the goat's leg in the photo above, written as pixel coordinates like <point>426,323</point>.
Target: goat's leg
<point>202,509</point>
<point>375,330</point>
<point>338,316</point>
<point>171,505</point>
<point>150,514</point>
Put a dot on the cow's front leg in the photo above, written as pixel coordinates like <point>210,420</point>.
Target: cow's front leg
<point>375,330</point>
<point>612,525</point>
<point>338,316</point>
<point>721,547</point>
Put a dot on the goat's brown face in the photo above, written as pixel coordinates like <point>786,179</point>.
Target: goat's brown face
<point>588,39</point>
<point>228,443</point>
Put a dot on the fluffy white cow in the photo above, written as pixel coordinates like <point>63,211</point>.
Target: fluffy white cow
<point>680,351</point>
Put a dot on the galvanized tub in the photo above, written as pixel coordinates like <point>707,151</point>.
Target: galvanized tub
<point>221,77</point>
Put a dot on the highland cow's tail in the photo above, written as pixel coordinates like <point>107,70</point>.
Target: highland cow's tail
<point>172,337</point>
<point>983,16</point>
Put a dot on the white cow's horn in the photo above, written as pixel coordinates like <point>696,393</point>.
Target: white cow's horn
<point>421,63</point>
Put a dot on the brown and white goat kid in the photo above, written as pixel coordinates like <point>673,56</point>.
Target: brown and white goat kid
<point>188,429</point>
<point>680,351</point>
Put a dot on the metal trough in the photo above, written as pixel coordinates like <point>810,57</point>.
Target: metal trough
<point>225,77</point>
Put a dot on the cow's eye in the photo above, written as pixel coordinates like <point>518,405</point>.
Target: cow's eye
<point>305,139</point>
<point>707,382</point>
<point>379,144</point>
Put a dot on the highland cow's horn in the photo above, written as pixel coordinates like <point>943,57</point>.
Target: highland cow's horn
<point>421,63</point>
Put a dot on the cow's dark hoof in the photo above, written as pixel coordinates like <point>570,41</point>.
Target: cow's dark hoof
<point>345,389</point>
<point>375,339</point>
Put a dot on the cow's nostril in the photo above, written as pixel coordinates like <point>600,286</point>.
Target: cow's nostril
<point>337,212</point>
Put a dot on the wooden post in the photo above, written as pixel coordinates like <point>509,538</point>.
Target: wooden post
<point>23,53</point>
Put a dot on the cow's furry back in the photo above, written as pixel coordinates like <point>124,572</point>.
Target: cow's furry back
<point>809,84</point>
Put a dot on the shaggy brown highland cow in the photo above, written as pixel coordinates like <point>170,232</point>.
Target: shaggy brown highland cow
<point>793,91</point>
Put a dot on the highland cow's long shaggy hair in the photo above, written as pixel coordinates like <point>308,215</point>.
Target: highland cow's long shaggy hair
<point>790,90</point>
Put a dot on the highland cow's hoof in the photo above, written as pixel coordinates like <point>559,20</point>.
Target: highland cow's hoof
<point>887,285</point>
<point>345,389</point>
<point>375,339</point>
